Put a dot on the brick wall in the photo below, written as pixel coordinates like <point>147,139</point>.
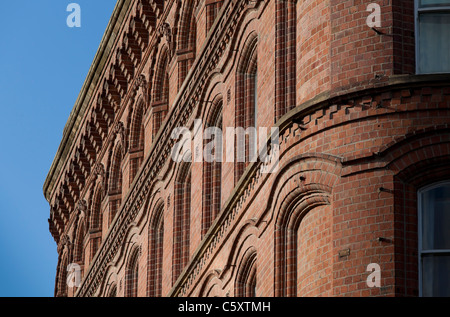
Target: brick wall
<point>362,137</point>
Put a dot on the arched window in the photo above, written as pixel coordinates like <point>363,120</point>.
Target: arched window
<point>246,108</point>
<point>285,56</point>
<point>186,40</point>
<point>181,227</point>
<point>160,97</point>
<point>95,224</point>
<point>113,291</point>
<point>78,255</point>
<point>132,275</point>
<point>137,141</point>
<point>115,187</point>
<point>156,243</point>
<point>62,287</point>
<point>212,10</point>
<point>292,256</point>
<point>246,278</point>
<point>212,167</point>
<point>434,240</point>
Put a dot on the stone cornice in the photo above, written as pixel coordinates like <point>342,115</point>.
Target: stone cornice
<point>84,98</point>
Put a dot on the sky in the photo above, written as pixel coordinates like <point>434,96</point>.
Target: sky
<point>43,65</point>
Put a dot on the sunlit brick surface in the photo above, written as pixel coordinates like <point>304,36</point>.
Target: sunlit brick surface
<point>359,131</point>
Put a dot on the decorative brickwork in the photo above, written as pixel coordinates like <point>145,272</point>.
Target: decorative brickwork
<point>359,135</point>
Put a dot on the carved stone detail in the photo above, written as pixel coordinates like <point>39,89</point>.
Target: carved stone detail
<point>121,133</point>
<point>100,172</point>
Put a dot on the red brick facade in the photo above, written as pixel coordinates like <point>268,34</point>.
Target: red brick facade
<point>360,134</point>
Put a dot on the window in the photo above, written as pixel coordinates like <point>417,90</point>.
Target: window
<point>182,215</point>
<point>113,291</point>
<point>160,93</point>
<point>132,275</point>
<point>212,168</point>
<point>434,240</point>
<point>137,141</point>
<point>115,187</point>
<point>433,36</point>
<point>96,223</point>
<point>212,10</point>
<point>79,244</point>
<point>246,277</point>
<point>246,107</point>
<point>61,290</point>
<point>187,40</point>
<point>156,246</point>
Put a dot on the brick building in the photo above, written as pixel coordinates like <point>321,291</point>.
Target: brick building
<point>362,177</point>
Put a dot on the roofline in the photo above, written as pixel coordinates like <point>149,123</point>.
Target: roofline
<point>83,100</point>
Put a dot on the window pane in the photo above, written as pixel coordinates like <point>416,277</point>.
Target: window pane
<point>436,275</point>
<point>434,43</point>
<point>433,3</point>
<point>436,218</point>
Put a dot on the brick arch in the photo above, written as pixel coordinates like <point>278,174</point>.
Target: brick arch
<point>108,286</point>
<point>415,148</point>
<point>246,278</point>
<point>112,291</point>
<point>247,52</point>
<point>416,160</point>
<point>61,289</point>
<point>130,242</point>
<point>212,92</point>
<point>132,274</point>
<point>316,171</point>
<point>212,285</point>
<point>212,110</point>
<point>303,185</point>
<point>160,89</point>
<point>297,205</point>
<point>246,238</point>
<point>187,19</point>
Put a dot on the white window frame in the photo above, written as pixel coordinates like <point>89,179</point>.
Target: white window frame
<point>420,232</point>
<point>417,12</point>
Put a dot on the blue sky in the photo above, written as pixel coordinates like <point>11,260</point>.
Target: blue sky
<point>43,64</point>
